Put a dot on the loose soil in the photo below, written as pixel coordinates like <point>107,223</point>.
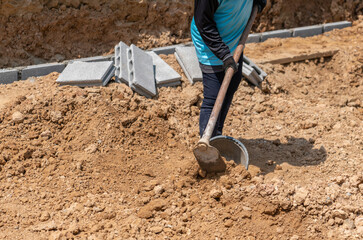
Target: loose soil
<point>38,31</point>
<point>106,163</point>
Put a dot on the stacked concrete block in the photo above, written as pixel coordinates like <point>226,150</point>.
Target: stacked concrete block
<point>141,72</point>
<point>8,76</point>
<point>84,74</point>
<point>253,73</point>
<point>336,25</point>
<point>254,38</point>
<point>187,58</point>
<point>165,76</point>
<point>41,70</point>
<point>308,31</point>
<point>122,73</point>
<point>276,34</point>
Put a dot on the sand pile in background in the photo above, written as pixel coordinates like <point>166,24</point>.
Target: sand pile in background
<point>40,31</point>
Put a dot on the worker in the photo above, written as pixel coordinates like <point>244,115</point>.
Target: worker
<point>216,29</point>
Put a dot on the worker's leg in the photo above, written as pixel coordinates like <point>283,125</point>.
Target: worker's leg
<point>211,85</point>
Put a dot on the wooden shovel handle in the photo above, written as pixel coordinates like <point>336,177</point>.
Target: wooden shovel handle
<point>226,81</point>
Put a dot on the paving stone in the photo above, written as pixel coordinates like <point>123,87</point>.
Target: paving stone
<point>141,72</point>
<point>8,76</point>
<point>254,38</point>
<point>276,34</point>
<point>187,58</point>
<point>164,74</point>
<point>85,74</point>
<point>336,25</point>
<point>308,31</point>
<point>92,59</point>
<point>122,72</point>
<point>41,70</point>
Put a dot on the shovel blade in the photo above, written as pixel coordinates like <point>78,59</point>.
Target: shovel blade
<point>231,149</point>
<point>209,158</point>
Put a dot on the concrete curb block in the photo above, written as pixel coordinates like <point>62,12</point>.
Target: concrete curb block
<point>276,34</point>
<point>253,73</point>
<point>92,59</point>
<point>8,76</point>
<point>122,72</point>
<point>188,60</point>
<point>41,70</point>
<point>141,72</point>
<point>308,31</point>
<point>250,74</point>
<point>336,25</point>
<point>254,38</point>
<point>258,70</point>
<point>164,74</point>
<point>84,74</point>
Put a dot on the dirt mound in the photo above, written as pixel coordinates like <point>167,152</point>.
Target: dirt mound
<point>39,31</point>
<point>105,163</point>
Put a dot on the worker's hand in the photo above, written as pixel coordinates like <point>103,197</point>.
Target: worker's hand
<point>261,4</point>
<point>229,62</point>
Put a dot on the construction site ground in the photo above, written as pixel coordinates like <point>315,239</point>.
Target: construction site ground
<point>106,163</point>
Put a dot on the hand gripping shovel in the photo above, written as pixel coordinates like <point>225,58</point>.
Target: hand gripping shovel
<point>208,157</point>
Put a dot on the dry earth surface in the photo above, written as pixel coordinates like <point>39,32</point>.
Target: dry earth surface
<point>38,31</point>
<point>105,163</point>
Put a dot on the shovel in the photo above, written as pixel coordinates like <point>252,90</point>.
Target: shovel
<point>208,156</point>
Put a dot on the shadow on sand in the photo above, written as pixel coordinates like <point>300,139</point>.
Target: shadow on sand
<point>267,154</point>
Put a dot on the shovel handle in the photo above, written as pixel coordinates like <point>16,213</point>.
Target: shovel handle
<point>226,81</point>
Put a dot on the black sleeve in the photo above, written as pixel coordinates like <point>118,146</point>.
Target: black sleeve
<point>204,20</point>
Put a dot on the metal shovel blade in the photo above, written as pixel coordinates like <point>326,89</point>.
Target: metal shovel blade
<point>208,158</point>
<point>231,149</point>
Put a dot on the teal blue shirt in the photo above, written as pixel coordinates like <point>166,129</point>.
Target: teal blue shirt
<point>231,18</point>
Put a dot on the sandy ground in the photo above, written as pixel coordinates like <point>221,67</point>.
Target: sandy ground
<point>105,163</point>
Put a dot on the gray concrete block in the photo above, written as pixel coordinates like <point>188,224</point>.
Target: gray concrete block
<point>8,76</point>
<point>93,59</point>
<point>170,49</point>
<point>141,72</point>
<point>336,25</point>
<point>258,70</point>
<point>122,72</point>
<point>84,74</point>
<point>188,60</point>
<point>164,74</point>
<point>166,50</point>
<point>276,34</point>
<point>308,31</point>
<point>171,84</point>
<point>254,38</point>
<point>41,70</point>
<point>251,75</point>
